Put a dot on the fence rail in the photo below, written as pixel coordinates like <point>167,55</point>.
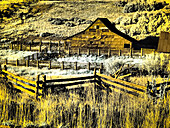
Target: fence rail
<point>43,46</point>
<point>20,83</point>
<point>53,65</point>
<point>39,87</point>
<point>110,52</point>
<point>121,86</point>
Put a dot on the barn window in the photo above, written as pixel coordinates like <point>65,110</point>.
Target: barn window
<point>91,42</point>
<point>92,30</point>
<point>97,26</point>
<point>105,30</point>
<point>126,45</point>
<point>102,42</point>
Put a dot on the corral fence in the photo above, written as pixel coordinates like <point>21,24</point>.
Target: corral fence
<point>41,87</point>
<point>27,62</point>
<point>35,46</point>
<point>110,52</point>
<point>60,47</point>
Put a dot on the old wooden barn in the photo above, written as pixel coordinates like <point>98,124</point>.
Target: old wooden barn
<point>101,34</point>
<point>164,42</point>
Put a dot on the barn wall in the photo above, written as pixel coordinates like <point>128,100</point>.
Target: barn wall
<point>164,42</point>
<point>98,36</point>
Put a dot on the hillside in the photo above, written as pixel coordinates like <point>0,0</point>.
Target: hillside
<point>65,18</point>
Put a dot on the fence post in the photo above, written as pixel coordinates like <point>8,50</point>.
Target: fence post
<point>62,65</point>
<point>32,56</point>
<point>50,45</point>
<point>6,61</point>
<point>40,48</point>
<point>69,51</point>
<point>109,52</point>
<point>141,51</point>
<point>37,63</point>
<point>5,68</point>
<point>94,72</point>
<point>120,52</point>
<point>88,51</point>
<point>75,66</point>
<point>49,65</point>
<point>101,68</point>
<point>88,65</point>
<point>31,44</point>
<point>17,62</point>
<point>44,84</point>
<point>37,86</point>
<point>27,62</point>
<point>59,47</point>
<point>12,46</point>
<point>20,47</point>
<point>0,69</point>
<point>40,45</point>
<point>98,52</point>
<point>131,50</point>
<point>78,51</point>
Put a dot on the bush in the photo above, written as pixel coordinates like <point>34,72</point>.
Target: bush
<point>157,64</point>
<point>142,6</point>
<point>112,65</point>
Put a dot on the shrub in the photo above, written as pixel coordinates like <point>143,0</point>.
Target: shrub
<point>142,6</point>
<point>112,65</point>
<point>157,64</point>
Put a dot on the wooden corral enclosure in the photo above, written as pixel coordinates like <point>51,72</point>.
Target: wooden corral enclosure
<point>164,42</point>
<point>40,44</point>
<point>40,88</point>
<point>101,34</point>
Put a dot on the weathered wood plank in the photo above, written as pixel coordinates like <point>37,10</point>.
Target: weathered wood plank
<point>19,78</point>
<point>122,87</point>
<point>24,90</point>
<point>121,77</point>
<point>71,79</point>
<point>68,84</point>
<point>22,84</point>
<point>123,82</point>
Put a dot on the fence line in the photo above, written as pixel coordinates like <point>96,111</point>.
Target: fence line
<point>53,65</point>
<point>40,88</point>
<point>41,46</point>
<point>110,52</point>
<point>121,86</point>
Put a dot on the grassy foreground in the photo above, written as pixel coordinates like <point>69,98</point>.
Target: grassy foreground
<point>91,108</point>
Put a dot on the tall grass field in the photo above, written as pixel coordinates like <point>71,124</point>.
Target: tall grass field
<point>88,108</point>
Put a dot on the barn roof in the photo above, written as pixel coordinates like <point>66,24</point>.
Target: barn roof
<point>111,27</point>
<point>164,42</point>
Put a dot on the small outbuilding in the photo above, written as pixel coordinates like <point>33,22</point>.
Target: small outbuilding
<point>164,42</point>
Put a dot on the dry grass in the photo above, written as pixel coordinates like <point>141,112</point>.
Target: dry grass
<point>88,108</point>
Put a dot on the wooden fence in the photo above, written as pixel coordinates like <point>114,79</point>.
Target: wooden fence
<point>35,46</point>
<point>59,47</point>
<point>53,65</point>
<point>24,85</point>
<point>40,88</point>
<point>110,52</point>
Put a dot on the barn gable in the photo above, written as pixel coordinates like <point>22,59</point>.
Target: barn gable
<point>164,42</point>
<point>101,34</point>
